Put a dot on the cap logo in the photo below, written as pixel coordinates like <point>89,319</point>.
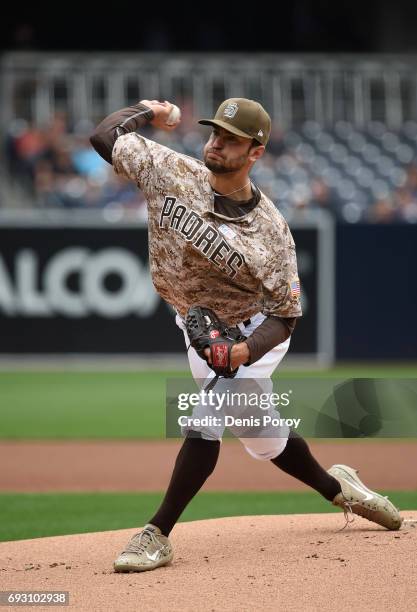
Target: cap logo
<point>231,110</point>
<point>260,133</point>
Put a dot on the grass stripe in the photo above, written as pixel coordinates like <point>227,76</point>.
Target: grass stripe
<point>33,515</point>
<point>114,405</point>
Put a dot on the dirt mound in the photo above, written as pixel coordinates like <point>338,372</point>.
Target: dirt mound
<point>297,562</point>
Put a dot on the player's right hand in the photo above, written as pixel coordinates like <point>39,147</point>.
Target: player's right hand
<point>161,111</point>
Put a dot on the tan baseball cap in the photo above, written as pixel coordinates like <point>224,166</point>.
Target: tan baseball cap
<point>242,117</point>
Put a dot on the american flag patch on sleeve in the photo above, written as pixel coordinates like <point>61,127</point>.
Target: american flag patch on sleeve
<point>295,288</point>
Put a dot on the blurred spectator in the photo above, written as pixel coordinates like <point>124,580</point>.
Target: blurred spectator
<point>324,198</point>
<point>406,196</point>
<point>25,144</point>
<point>382,211</point>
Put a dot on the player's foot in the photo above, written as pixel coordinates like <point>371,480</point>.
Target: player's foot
<point>358,499</point>
<point>147,550</point>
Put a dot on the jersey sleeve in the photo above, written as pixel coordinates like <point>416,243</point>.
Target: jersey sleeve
<point>141,160</point>
<point>281,285</point>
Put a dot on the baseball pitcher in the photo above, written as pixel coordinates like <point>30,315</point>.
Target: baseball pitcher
<point>223,256</point>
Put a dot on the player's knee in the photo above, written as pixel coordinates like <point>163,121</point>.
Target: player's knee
<point>265,449</point>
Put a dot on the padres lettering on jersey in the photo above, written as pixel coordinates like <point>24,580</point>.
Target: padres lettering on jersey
<point>237,267</point>
<point>201,234</point>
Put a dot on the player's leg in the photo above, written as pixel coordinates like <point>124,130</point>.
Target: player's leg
<point>297,461</point>
<point>196,460</point>
<point>340,484</point>
<point>151,548</point>
<point>287,450</point>
<point>194,464</point>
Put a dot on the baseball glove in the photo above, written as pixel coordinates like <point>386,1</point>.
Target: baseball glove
<point>206,330</point>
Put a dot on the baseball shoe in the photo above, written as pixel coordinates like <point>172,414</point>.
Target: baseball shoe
<point>358,499</point>
<point>147,550</point>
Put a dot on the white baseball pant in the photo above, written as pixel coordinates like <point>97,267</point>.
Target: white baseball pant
<point>274,438</point>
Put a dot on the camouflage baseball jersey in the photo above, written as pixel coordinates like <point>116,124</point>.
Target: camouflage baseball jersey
<point>237,267</point>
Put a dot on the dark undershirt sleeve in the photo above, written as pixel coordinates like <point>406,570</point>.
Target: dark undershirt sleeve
<point>121,122</point>
<point>270,333</point>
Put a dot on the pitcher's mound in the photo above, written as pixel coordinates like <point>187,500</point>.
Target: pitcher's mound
<point>297,562</point>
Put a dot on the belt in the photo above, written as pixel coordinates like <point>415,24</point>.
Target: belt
<point>246,322</point>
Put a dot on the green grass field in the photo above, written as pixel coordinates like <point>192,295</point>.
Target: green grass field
<point>126,405</point>
<point>118,405</point>
<point>31,515</point>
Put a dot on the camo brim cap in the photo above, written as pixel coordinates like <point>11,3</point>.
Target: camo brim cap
<point>243,117</point>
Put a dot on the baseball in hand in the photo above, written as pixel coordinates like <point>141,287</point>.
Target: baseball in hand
<point>174,116</point>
